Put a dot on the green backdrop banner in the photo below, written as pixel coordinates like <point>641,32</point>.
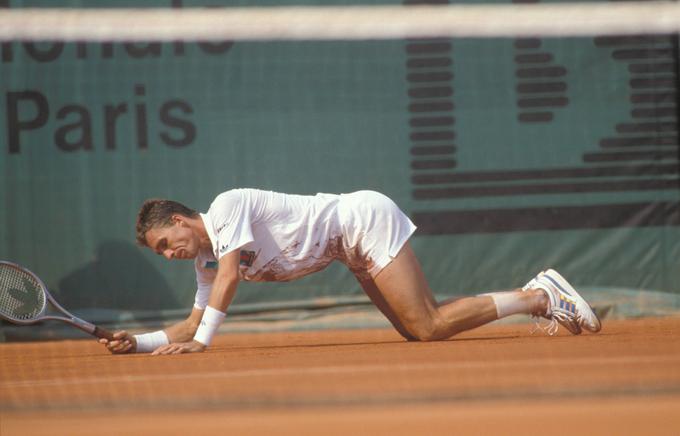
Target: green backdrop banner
<point>510,155</point>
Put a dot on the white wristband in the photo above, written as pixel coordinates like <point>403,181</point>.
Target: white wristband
<point>212,318</point>
<point>148,342</point>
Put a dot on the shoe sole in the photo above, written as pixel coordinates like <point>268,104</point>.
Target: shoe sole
<point>559,281</point>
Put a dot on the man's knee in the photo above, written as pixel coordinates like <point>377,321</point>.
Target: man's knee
<point>399,327</point>
<point>405,334</point>
<point>425,330</point>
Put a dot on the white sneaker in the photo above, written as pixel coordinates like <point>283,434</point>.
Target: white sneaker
<point>566,306</point>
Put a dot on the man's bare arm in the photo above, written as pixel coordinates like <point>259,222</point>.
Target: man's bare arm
<point>182,331</point>
<point>226,282</point>
<point>221,295</point>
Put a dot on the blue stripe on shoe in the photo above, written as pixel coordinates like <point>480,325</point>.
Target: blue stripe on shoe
<point>567,304</point>
<point>554,282</point>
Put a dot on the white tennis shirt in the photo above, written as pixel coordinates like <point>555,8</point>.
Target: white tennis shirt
<point>281,237</point>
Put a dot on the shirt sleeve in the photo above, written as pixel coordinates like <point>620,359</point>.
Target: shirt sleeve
<point>231,217</point>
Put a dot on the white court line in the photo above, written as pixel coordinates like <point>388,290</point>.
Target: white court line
<point>345,369</point>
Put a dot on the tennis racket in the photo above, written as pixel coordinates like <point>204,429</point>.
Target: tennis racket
<point>24,298</point>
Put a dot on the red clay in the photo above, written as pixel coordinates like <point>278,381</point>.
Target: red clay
<point>497,379</point>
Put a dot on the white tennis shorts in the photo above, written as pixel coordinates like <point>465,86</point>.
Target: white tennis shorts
<point>374,231</point>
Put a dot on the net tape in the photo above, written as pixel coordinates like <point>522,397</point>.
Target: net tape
<point>340,23</point>
<point>21,295</point>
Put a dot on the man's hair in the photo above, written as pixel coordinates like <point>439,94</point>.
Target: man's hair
<point>157,212</point>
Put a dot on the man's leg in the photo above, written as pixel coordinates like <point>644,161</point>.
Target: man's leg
<point>379,301</point>
<point>404,288</point>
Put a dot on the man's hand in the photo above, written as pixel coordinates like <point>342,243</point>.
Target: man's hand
<point>179,348</point>
<point>122,343</point>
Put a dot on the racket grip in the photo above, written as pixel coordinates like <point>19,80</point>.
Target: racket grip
<point>103,333</point>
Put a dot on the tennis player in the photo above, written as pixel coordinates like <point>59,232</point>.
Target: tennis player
<point>255,235</point>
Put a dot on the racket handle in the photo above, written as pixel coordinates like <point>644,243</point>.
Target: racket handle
<point>102,333</point>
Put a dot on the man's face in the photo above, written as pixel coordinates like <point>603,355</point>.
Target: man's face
<point>176,241</point>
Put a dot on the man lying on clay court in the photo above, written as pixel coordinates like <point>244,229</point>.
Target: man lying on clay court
<point>254,235</point>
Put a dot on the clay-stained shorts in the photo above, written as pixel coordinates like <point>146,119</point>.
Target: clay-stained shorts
<point>374,231</point>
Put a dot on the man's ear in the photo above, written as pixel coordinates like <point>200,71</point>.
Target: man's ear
<point>178,219</point>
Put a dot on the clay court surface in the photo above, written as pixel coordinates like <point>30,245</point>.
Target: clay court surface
<point>498,379</point>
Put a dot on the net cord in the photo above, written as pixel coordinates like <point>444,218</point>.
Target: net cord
<point>340,23</point>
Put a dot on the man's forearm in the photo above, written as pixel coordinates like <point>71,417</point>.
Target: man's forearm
<point>223,292</point>
<point>183,331</point>
<point>221,296</point>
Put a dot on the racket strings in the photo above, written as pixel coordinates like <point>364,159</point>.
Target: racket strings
<point>21,295</point>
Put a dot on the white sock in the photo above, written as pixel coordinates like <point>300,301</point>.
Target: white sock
<point>509,303</point>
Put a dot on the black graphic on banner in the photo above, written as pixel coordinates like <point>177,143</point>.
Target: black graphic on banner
<point>640,156</point>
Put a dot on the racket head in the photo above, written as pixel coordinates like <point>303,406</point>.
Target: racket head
<point>23,297</point>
